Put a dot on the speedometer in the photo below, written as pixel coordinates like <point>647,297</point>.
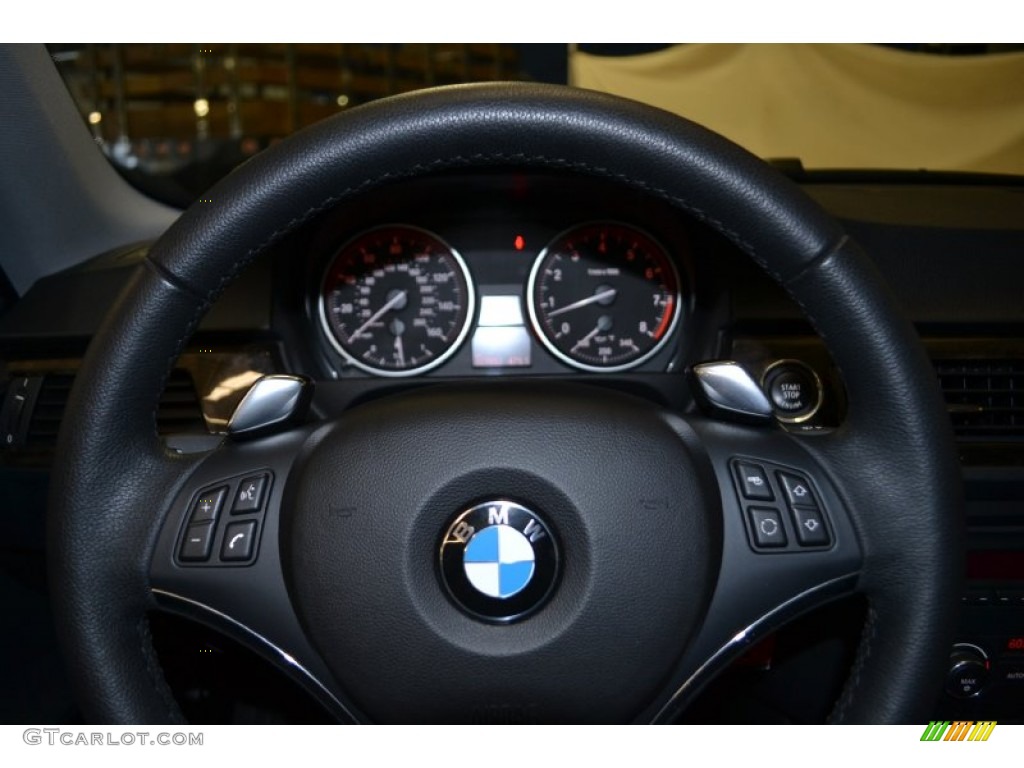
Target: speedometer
<point>396,301</point>
<point>604,297</point>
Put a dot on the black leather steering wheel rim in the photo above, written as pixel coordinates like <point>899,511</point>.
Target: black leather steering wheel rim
<point>892,460</point>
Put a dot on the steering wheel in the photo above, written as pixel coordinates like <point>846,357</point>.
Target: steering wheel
<point>654,572</point>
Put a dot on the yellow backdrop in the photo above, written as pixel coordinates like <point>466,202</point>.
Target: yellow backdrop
<point>835,106</point>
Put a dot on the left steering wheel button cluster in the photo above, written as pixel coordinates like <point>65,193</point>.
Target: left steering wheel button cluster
<point>239,536</point>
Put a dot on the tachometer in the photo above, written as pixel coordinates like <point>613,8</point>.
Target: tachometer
<point>604,297</point>
<point>396,301</point>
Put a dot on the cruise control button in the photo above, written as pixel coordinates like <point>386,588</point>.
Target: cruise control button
<point>754,482</point>
<point>798,490</point>
<point>238,541</point>
<point>208,505</point>
<point>810,527</point>
<point>197,543</point>
<point>249,497</point>
<point>767,527</point>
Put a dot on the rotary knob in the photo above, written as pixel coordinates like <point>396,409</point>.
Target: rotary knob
<point>968,671</point>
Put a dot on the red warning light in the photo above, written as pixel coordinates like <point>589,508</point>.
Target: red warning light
<point>520,243</point>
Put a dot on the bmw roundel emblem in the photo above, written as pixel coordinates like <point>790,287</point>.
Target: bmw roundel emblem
<point>499,561</point>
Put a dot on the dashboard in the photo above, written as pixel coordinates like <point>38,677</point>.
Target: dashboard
<point>498,276</point>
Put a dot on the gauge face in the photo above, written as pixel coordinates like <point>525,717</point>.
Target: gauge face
<point>396,301</point>
<point>604,297</point>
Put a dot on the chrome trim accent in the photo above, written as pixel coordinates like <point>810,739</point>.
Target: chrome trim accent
<point>272,401</point>
<point>832,588</point>
<point>729,390</point>
<point>978,648</point>
<point>289,662</point>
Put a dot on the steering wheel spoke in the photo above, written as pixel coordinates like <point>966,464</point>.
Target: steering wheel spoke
<point>217,559</point>
<point>788,546</point>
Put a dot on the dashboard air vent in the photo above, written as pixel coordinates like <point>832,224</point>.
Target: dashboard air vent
<point>44,423</point>
<point>179,411</point>
<point>985,398</point>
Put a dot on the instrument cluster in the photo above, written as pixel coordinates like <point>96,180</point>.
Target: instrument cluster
<point>602,296</point>
<point>497,274</point>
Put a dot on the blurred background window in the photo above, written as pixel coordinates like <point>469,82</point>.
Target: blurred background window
<point>175,118</point>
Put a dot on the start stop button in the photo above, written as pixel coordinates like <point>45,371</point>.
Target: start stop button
<point>794,390</point>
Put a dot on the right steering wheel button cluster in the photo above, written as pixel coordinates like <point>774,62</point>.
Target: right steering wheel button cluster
<point>766,525</point>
